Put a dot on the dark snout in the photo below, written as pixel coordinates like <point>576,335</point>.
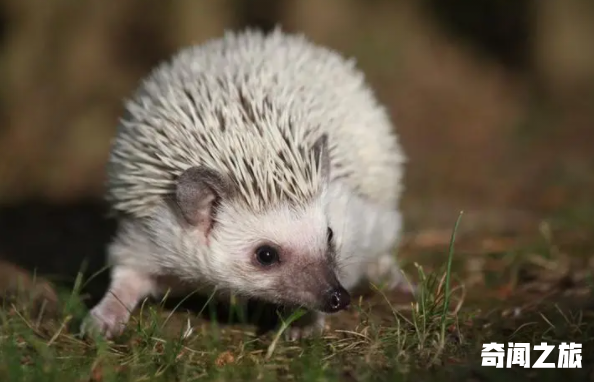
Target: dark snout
<point>336,299</point>
<point>313,285</point>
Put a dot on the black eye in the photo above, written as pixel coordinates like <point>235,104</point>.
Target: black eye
<point>267,255</point>
<point>330,235</point>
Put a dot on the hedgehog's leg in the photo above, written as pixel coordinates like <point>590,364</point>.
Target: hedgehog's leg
<point>309,325</point>
<point>127,289</point>
<point>386,271</point>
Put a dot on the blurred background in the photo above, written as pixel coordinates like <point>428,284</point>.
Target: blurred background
<point>493,101</point>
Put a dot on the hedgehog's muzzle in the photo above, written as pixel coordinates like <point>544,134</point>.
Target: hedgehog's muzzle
<point>331,297</point>
<point>313,285</point>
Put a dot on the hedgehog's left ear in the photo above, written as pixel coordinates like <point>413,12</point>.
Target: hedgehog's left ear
<point>320,149</point>
<point>197,190</point>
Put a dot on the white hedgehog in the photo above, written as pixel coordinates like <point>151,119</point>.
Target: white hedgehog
<point>256,164</point>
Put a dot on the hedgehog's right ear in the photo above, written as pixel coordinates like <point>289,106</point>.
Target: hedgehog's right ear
<point>197,189</point>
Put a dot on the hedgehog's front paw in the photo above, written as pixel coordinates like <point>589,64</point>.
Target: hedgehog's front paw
<point>107,321</point>
<point>309,325</point>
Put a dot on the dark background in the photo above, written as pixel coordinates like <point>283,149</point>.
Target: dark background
<point>493,101</point>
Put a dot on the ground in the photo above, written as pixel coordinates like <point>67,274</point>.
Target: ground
<point>524,287</point>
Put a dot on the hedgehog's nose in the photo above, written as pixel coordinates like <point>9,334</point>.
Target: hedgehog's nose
<point>337,299</point>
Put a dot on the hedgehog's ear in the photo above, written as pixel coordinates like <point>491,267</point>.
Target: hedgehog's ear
<point>197,190</point>
<point>320,149</point>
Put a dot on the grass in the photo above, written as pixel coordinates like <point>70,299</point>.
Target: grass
<point>436,337</point>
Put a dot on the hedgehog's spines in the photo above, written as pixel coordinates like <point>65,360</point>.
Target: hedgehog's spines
<point>250,106</point>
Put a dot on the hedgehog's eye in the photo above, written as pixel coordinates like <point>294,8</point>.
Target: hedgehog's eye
<point>267,255</point>
<point>330,235</point>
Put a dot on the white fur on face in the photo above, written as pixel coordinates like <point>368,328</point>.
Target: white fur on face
<point>299,232</point>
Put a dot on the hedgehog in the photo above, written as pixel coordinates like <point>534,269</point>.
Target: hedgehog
<point>259,165</point>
